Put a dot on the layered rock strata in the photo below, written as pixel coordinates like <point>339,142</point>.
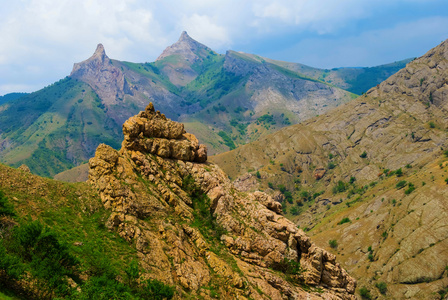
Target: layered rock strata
<point>145,184</point>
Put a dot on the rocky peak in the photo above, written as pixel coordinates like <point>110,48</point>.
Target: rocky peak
<point>151,132</point>
<point>100,53</point>
<point>98,71</point>
<point>155,185</point>
<point>187,48</point>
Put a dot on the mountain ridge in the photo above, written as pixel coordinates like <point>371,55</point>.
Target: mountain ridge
<point>376,163</point>
<point>226,100</point>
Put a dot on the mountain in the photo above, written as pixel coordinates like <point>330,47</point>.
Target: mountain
<point>355,80</point>
<point>10,97</point>
<point>226,100</point>
<point>155,221</point>
<point>368,179</point>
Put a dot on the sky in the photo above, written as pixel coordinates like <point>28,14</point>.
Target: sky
<point>41,39</point>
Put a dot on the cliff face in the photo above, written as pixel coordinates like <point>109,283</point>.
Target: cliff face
<point>192,229</point>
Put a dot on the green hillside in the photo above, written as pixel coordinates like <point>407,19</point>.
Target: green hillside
<point>56,128</point>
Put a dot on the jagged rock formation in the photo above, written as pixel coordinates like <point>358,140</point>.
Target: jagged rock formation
<point>153,207</point>
<point>151,132</point>
<point>107,80</point>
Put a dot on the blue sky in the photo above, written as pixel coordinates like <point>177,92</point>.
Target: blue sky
<point>41,39</point>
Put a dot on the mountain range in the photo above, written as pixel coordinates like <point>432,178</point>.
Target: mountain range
<point>226,100</point>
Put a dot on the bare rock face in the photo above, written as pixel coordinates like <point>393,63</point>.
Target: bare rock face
<point>97,71</point>
<point>159,189</point>
<point>151,132</point>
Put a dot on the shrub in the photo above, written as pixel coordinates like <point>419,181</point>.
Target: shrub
<point>330,156</point>
<point>258,174</point>
<point>410,188</point>
<point>282,188</point>
<point>289,267</point>
<point>363,155</point>
<point>331,165</point>
<point>432,124</point>
<point>370,257</point>
<point>305,195</point>
<point>344,220</point>
<point>288,196</point>
<point>365,293</point>
<point>382,287</point>
<point>399,172</point>
<point>157,290</point>
<point>333,244</point>
<point>401,184</point>
<point>339,187</point>
<point>295,211</point>
<point>352,180</point>
<point>6,208</point>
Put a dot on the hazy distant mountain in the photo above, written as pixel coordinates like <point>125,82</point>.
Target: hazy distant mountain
<point>368,179</point>
<point>226,100</point>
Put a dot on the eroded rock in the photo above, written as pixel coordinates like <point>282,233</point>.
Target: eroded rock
<point>147,184</point>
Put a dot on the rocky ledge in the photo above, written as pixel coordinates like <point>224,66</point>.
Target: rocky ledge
<point>194,230</point>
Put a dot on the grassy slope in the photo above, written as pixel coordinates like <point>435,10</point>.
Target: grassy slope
<point>73,211</point>
<point>64,124</point>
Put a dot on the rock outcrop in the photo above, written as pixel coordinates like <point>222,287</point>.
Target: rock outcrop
<point>151,132</point>
<point>192,229</point>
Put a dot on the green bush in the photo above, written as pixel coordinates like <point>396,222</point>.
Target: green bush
<point>282,188</point>
<point>410,188</point>
<point>156,290</point>
<point>382,287</point>
<point>344,220</point>
<point>363,155</point>
<point>6,208</point>
<point>289,267</point>
<point>401,184</point>
<point>331,165</point>
<point>365,293</point>
<point>339,187</point>
<point>333,244</point>
<point>305,195</point>
<point>295,211</point>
